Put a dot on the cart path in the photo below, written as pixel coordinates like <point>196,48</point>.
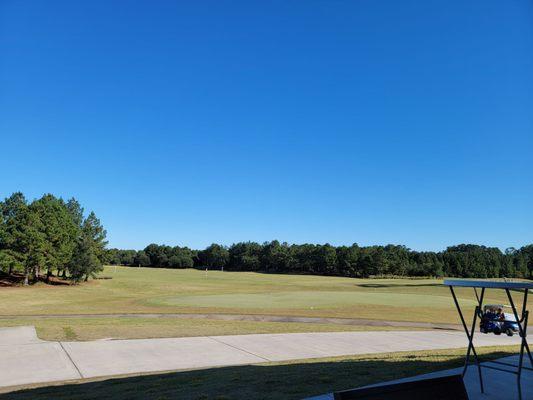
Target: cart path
<point>28,360</point>
<point>253,317</point>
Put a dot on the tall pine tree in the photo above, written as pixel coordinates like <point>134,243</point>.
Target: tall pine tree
<point>89,253</point>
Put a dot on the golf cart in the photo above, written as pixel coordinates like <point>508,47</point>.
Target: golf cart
<point>495,320</point>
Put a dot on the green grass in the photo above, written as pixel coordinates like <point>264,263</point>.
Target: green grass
<point>70,329</point>
<point>273,381</point>
<point>304,300</point>
<point>147,290</point>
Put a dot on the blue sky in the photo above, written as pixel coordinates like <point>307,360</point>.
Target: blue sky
<point>368,121</point>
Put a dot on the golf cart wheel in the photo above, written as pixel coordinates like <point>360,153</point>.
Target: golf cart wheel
<point>509,332</point>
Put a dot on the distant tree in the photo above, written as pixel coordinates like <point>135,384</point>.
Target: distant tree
<point>302,258</point>
<point>276,257</point>
<point>141,259</point>
<point>120,257</point>
<point>245,256</point>
<point>158,255</point>
<point>126,257</point>
<point>473,261</point>
<point>460,261</point>
<point>214,256</point>
<point>326,260</point>
<point>348,260</point>
<point>527,254</point>
<point>113,256</point>
<point>425,264</point>
<point>180,257</point>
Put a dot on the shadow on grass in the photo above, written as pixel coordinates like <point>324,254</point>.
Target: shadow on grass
<point>394,285</point>
<point>267,381</point>
<point>7,280</point>
<point>17,279</point>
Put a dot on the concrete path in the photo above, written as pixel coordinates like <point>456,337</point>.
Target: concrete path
<point>498,385</point>
<point>25,359</point>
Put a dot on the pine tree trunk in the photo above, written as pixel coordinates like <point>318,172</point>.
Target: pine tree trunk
<point>26,277</point>
<point>10,272</point>
<point>48,274</point>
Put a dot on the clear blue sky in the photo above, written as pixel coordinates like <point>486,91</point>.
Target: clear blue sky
<point>368,121</point>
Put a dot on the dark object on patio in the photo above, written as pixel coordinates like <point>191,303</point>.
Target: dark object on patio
<point>445,388</point>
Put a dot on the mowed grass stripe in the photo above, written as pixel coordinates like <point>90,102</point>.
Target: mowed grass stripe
<point>308,299</point>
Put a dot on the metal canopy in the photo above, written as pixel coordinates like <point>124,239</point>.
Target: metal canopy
<point>488,284</point>
<point>521,321</point>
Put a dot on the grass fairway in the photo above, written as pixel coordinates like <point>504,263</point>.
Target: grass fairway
<point>273,381</point>
<point>164,291</point>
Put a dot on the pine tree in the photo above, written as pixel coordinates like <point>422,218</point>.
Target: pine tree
<point>75,211</point>
<point>10,208</point>
<point>29,240</point>
<point>85,263</point>
<point>59,231</point>
<point>89,252</point>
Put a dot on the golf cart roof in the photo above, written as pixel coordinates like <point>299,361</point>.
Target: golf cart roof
<point>495,306</point>
<point>489,284</point>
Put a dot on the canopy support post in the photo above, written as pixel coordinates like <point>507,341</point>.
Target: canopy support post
<point>470,335</point>
<point>522,330</point>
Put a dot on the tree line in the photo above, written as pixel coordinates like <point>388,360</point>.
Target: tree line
<point>464,260</point>
<point>50,236</point>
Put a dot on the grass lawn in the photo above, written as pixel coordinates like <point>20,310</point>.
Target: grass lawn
<point>71,329</point>
<point>147,290</point>
<point>274,381</point>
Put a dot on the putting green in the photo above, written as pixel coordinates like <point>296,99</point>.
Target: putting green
<point>307,300</point>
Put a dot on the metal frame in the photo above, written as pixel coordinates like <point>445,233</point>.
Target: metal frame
<point>522,327</point>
